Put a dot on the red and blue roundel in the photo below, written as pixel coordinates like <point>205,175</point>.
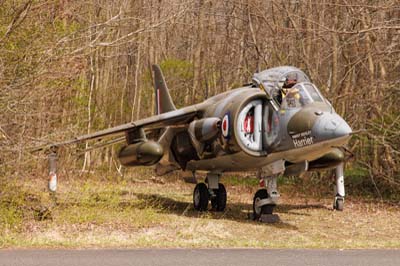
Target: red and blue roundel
<point>225,126</point>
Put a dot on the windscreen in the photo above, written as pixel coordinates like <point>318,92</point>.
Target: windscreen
<point>313,92</point>
<point>300,95</point>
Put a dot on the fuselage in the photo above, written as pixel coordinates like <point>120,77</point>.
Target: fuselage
<point>297,133</point>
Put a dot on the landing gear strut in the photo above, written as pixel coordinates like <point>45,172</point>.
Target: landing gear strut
<point>265,200</point>
<point>215,192</point>
<point>338,203</point>
<point>52,170</point>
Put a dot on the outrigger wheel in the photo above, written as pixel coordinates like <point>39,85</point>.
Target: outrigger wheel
<point>200,197</point>
<point>265,209</point>
<point>218,202</point>
<point>338,203</point>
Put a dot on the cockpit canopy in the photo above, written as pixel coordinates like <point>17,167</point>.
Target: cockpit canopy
<point>274,80</point>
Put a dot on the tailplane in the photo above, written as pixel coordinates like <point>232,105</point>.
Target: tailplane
<point>163,98</point>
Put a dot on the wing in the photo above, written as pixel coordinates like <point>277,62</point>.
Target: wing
<point>177,118</point>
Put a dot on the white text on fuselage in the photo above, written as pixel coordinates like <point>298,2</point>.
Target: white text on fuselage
<point>302,139</point>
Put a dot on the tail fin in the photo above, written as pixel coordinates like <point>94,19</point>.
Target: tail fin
<point>163,99</point>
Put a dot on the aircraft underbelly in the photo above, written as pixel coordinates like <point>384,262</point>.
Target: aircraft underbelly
<point>242,161</point>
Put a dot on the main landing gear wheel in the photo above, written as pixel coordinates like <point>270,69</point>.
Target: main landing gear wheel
<point>338,204</point>
<point>200,197</point>
<point>218,202</point>
<point>265,209</point>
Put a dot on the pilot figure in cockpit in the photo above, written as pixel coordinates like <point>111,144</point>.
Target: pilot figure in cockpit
<point>290,81</point>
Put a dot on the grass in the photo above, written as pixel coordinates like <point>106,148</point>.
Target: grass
<point>158,212</point>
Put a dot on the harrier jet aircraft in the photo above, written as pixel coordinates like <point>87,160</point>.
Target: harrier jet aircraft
<point>280,124</point>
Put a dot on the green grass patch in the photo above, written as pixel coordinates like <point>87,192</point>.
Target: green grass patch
<point>356,174</point>
<point>240,180</point>
<point>140,212</point>
<point>15,204</point>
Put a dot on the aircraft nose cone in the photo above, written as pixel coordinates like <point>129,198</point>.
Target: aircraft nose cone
<point>342,130</point>
<point>331,126</point>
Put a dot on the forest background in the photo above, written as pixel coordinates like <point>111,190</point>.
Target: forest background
<point>73,67</point>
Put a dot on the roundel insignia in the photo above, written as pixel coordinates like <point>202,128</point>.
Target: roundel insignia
<point>225,126</point>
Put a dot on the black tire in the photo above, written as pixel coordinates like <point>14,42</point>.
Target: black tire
<point>218,202</point>
<point>200,197</point>
<point>339,204</point>
<point>266,209</point>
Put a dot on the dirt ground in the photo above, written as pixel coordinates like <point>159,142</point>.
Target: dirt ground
<point>158,212</point>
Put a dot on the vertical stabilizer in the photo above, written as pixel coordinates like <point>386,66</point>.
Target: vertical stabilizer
<point>163,99</point>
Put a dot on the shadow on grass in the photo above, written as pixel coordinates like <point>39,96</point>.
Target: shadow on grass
<point>235,211</point>
<point>238,212</point>
<point>291,209</point>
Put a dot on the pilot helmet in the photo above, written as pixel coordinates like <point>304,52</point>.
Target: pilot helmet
<point>290,81</point>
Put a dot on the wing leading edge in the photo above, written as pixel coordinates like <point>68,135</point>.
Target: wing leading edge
<point>174,118</point>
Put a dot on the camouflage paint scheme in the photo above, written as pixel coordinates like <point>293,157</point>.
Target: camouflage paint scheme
<point>262,126</point>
